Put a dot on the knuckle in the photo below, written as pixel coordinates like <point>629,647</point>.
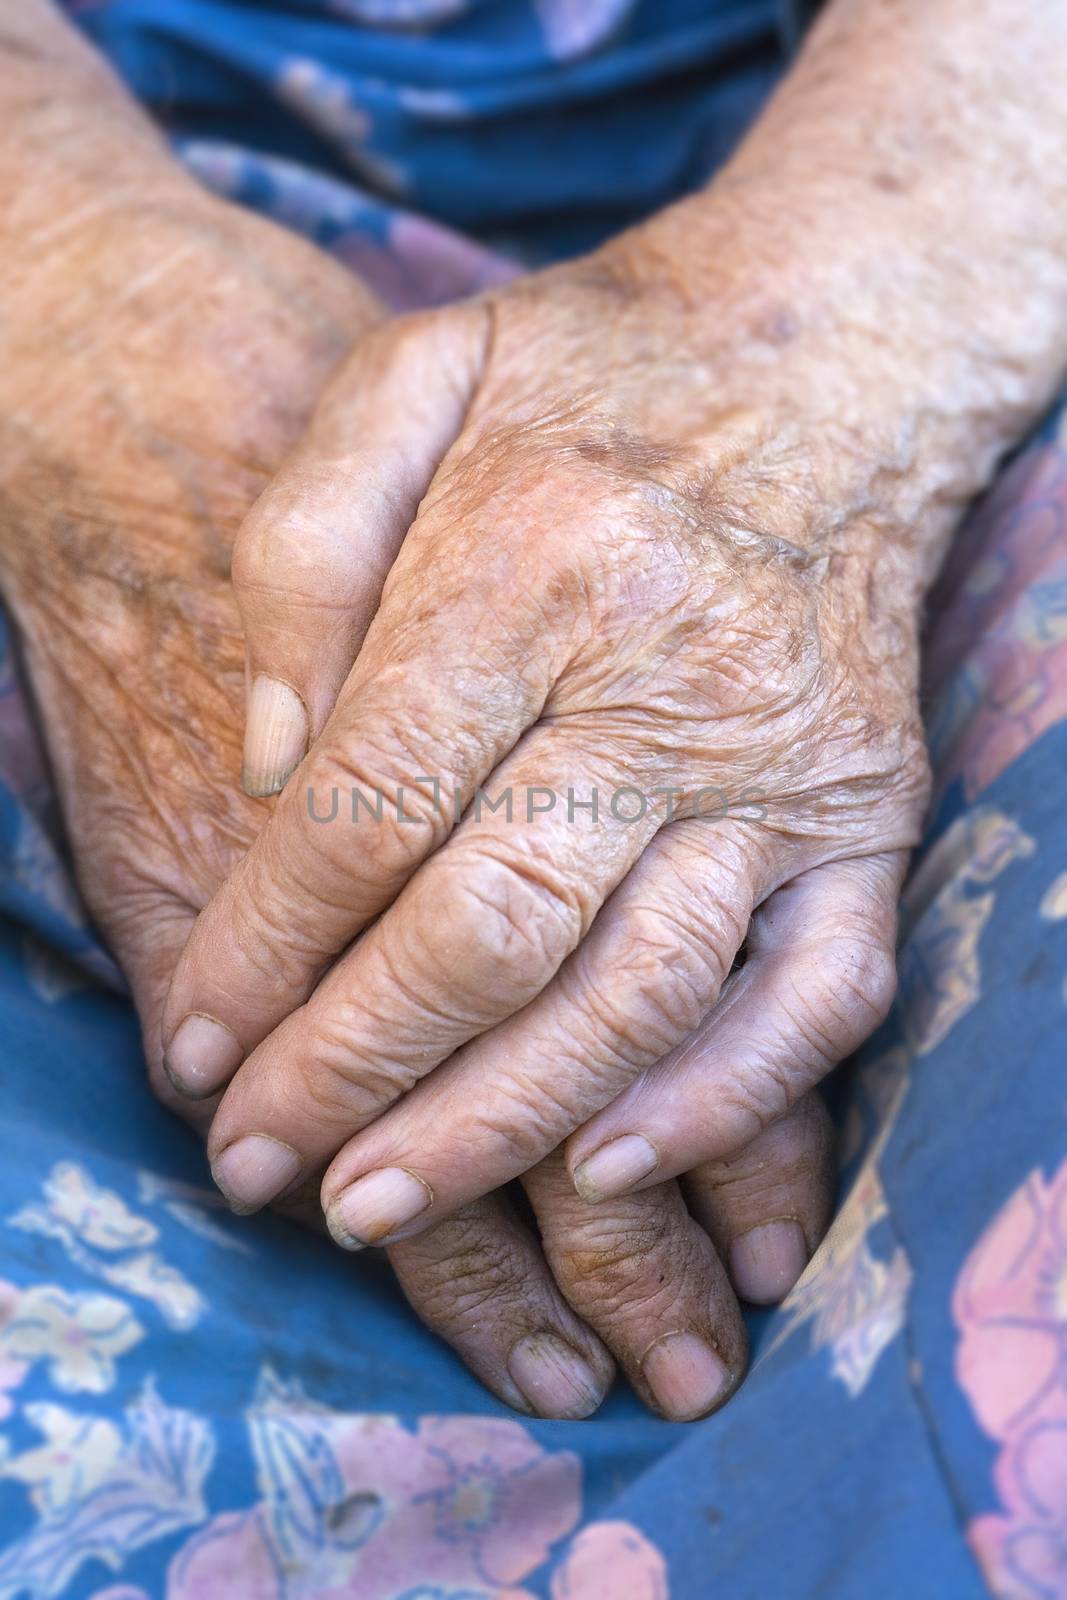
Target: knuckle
<point>791,1154</point>
<point>276,937</point>
<point>269,952</point>
<point>368,780</point>
<point>669,963</point>
<point>521,1123</point>
<point>915,776</point>
<point>341,1082</point>
<point>517,921</point>
<point>676,960</point>
<point>257,566</point>
<point>364,761</point>
<point>619,1265</point>
<point>404,338</point>
<point>253,562</point>
<point>280,550</point>
<point>465,1267</point>
<point>859,983</point>
<point>520,1145</point>
<point>760,1095</point>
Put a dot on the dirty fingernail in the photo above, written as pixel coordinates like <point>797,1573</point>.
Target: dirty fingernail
<point>615,1167</point>
<point>553,1377</point>
<point>255,1170</point>
<point>374,1207</point>
<point>766,1261</point>
<point>685,1375</point>
<point>202,1056</point>
<point>276,736</point>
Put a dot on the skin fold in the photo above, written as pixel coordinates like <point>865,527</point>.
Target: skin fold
<point>162,353</point>
<point>660,519</point>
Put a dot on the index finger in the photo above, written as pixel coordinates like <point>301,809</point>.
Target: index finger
<point>434,702</point>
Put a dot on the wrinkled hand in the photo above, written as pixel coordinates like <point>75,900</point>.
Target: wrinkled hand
<point>634,556</point>
<point>131,449</point>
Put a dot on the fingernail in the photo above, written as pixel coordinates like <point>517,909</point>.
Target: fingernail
<point>255,1170</point>
<point>276,736</point>
<point>766,1261</point>
<point>554,1378</point>
<point>615,1167</point>
<point>202,1055</point>
<point>370,1210</point>
<point>685,1375</point>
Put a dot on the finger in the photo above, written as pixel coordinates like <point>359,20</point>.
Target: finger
<point>644,1274</point>
<point>819,976</point>
<point>641,981</point>
<point>424,717</point>
<point>479,1280</point>
<point>476,935</point>
<point>481,1283</point>
<point>146,939</point>
<point>312,556</point>
<point>767,1208</point>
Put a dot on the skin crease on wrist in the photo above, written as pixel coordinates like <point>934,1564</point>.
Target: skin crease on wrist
<point>157,367</point>
<point>663,513</point>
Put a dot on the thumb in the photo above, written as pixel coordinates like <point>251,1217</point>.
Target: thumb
<point>315,550</point>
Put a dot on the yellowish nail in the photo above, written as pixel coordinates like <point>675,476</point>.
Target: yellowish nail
<point>376,1206</point>
<point>685,1375</point>
<point>276,736</point>
<point>615,1167</point>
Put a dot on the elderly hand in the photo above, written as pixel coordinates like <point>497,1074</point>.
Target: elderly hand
<point>158,366</point>
<point>659,523</point>
<point>622,590</point>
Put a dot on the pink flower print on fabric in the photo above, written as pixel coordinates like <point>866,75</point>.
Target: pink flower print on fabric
<point>1010,1304</point>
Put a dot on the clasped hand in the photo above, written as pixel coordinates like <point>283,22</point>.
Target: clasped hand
<point>538,545</point>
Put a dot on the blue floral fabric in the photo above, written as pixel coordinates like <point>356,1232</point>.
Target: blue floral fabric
<point>170,1428</point>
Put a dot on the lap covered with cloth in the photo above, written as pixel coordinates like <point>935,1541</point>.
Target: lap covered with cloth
<point>193,1406</point>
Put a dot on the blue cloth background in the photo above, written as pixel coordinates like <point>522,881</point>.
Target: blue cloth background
<point>535,127</point>
<point>170,1427</point>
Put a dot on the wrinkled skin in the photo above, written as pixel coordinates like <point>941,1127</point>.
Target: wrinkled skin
<point>624,555</point>
<point>671,511</point>
<point>132,448</point>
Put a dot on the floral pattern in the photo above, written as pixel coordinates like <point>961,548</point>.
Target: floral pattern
<point>1054,900</point>
<point>80,1336</point>
<point>350,1505</point>
<point>76,1455</point>
<point>611,1559</point>
<point>945,911</point>
<point>12,1371</point>
<point>1010,1306</point>
<point>102,1492</point>
<point>105,1239</point>
<point>363,1504</point>
<point>188,1409</point>
<point>854,1301</point>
